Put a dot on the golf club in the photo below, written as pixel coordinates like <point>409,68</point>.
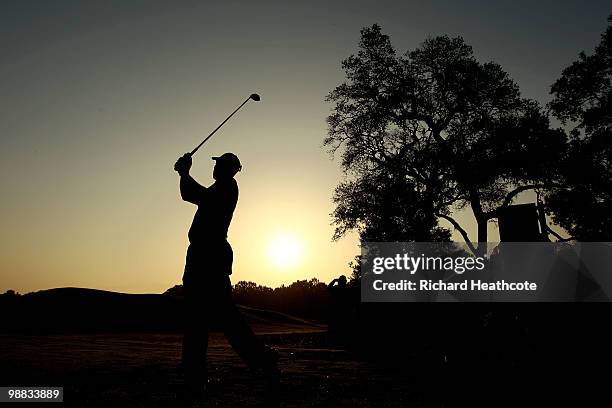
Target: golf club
<point>254,97</point>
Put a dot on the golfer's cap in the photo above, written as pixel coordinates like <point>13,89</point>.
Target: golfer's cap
<point>229,158</point>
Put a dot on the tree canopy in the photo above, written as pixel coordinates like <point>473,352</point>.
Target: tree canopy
<point>438,130</point>
<point>582,100</point>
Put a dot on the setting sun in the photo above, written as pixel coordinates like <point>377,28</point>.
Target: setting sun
<point>285,251</point>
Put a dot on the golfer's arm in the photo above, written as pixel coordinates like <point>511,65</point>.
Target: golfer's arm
<point>191,190</point>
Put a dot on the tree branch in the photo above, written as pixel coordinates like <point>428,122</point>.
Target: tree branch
<point>458,227</point>
<point>511,195</point>
<point>559,237</point>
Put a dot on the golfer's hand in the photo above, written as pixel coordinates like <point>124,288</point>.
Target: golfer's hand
<point>183,164</point>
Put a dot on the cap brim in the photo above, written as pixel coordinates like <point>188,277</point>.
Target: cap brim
<point>216,157</point>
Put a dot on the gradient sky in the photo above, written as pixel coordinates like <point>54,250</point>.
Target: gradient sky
<point>98,99</point>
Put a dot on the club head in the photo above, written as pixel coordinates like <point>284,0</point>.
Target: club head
<point>255,97</point>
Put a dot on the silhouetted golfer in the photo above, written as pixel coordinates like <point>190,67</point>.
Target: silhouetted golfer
<point>206,283</point>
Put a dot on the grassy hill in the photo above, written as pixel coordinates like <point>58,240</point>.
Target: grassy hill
<point>80,310</point>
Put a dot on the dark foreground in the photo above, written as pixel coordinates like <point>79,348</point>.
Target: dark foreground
<point>140,370</point>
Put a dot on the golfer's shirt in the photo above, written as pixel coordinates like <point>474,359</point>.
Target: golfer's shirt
<point>216,206</point>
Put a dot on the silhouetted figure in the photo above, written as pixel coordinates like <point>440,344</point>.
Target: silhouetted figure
<point>206,282</point>
<point>337,284</point>
<point>342,313</point>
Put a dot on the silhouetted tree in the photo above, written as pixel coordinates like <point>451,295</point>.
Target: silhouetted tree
<point>385,207</point>
<point>444,129</point>
<point>176,290</point>
<point>10,294</point>
<point>582,99</point>
<point>305,298</point>
<point>252,294</point>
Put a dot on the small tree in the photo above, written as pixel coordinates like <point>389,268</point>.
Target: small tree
<point>440,129</point>
<point>582,99</point>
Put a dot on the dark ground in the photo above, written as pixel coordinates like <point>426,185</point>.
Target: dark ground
<point>140,370</point>
<point>117,350</point>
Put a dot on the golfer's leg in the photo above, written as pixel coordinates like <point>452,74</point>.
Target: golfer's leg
<point>242,339</point>
<point>194,340</point>
<point>204,364</point>
<point>194,348</point>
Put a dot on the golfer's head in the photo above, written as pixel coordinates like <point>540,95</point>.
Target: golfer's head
<point>226,166</point>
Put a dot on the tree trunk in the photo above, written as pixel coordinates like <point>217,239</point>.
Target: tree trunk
<point>482,229</point>
<point>482,236</point>
<point>481,221</point>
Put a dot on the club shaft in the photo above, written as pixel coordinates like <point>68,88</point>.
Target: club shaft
<point>218,127</point>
